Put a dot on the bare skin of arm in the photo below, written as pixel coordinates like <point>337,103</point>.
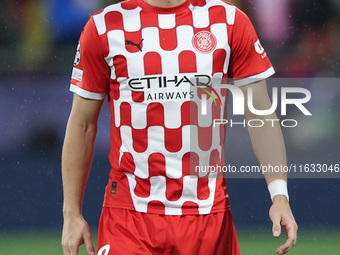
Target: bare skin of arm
<point>269,148</point>
<point>76,162</point>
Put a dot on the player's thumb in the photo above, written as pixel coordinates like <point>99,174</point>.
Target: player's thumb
<point>276,227</point>
<point>89,245</point>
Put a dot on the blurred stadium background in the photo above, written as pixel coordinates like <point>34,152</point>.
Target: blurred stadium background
<point>38,39</point>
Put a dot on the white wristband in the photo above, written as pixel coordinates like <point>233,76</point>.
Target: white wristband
<point>278,187</point>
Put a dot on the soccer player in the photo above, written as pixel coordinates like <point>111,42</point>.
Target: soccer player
<point>149,58</point>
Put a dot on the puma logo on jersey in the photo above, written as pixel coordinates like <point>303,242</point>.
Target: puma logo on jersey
<point>138,45</point>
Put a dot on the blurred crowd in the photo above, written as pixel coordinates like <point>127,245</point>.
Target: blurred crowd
<point>38,35</point>
<point>302,37</point>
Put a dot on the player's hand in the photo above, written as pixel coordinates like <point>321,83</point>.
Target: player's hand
<point>76,232</point>
<point>281,215</point>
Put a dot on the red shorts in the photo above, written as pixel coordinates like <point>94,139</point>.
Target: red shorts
<point>126,232</point>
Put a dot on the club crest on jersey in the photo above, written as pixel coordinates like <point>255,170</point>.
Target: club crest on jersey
<point>77,57</point>
<point>204,41</point>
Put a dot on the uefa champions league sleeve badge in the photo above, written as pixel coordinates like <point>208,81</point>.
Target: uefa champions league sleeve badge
<point>77,57</point>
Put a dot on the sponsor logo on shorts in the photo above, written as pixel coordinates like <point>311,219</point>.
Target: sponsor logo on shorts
<point>104,250</point>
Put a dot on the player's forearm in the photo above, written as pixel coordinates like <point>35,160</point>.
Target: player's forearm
<point>267,141</point>
<point>76,161</point>
<point>270,150</point>
<point>269,147</point>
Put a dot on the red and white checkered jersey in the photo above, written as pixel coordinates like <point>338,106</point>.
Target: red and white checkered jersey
<point>148,61</point>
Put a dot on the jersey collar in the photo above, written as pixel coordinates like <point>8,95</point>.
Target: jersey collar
<point>163,10</point>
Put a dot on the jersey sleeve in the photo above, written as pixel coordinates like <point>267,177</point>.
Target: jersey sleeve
<point>248,61</point>
<point>91,74</point>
